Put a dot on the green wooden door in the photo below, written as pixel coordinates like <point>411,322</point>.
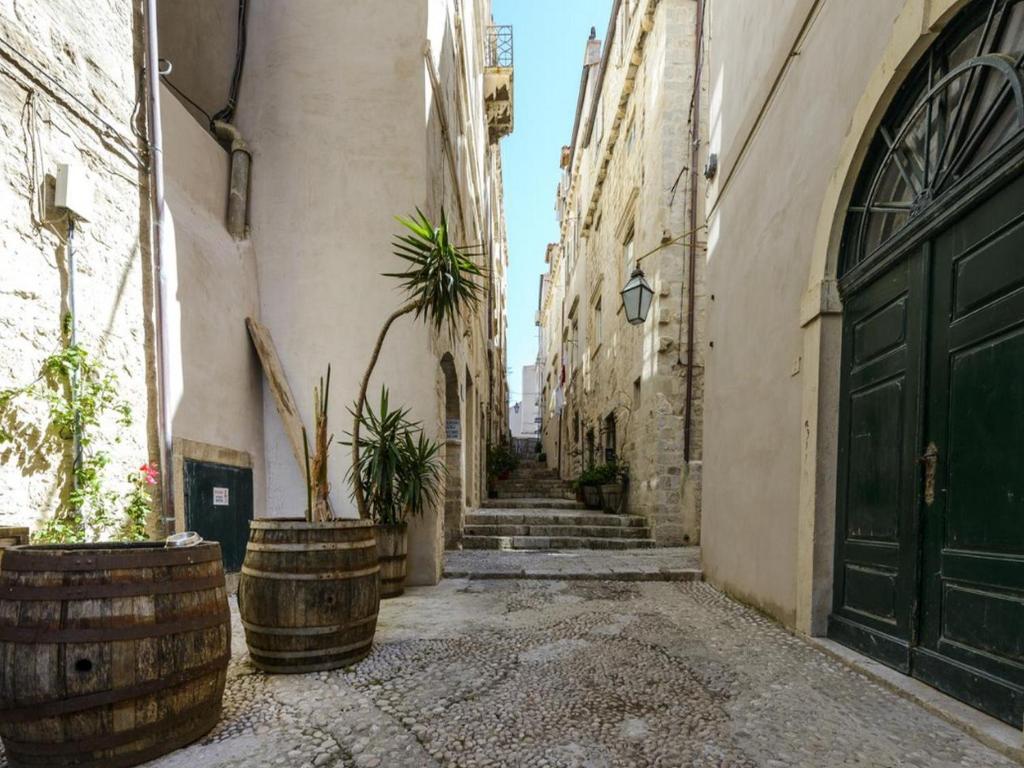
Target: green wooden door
<point>218,506</point>
<point>972,617</point>
<point>929,559</point>
<point>876,539</point>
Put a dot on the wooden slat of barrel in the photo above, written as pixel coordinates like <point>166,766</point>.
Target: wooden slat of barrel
<point>120,678</point>
<point>392,546</point>
<point>13,536</point>
<point>308,593</point>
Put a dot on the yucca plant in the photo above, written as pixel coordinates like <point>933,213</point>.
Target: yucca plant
<point>318,503</point>
<point>441,285</point>
<point>400,469</point>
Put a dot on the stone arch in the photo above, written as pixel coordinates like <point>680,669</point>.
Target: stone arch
<point>915,29</point>
<point>453,509</point>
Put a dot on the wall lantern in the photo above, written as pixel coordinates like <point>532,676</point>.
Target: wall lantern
<point>636,297</point>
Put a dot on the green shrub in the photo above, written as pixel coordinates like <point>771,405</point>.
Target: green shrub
<point>500,460</point>
<point>602,474</point>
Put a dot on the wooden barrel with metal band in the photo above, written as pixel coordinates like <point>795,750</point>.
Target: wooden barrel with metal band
<point>392,547</point>
<point>308,593</point>
<point>110,654</point>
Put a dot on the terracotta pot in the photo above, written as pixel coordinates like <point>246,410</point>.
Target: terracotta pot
<point>392,547</point>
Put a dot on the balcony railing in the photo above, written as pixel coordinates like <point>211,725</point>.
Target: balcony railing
<point>498,84</point>
<point>499,46</point>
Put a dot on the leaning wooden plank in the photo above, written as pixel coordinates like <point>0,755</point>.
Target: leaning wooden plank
<point>278,382</point>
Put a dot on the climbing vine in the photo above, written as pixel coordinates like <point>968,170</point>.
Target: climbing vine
<point>79,395</point>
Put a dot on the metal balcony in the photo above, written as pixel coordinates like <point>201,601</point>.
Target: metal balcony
<point>498,81</point>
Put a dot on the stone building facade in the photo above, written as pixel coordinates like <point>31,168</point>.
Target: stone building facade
<point>610,389</point>
<point>861,431</point>
<point>69,85</point>
<point>347,120</point>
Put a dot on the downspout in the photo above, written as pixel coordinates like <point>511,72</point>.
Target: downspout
<point>156,160</point>
<point>238,188</point>
<point>694,177</point>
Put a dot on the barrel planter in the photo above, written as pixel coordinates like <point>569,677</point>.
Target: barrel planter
<point>308,593</point>
<point>12,537</point>
<point>611,497</point>
<point>110,654</point>
<point>591,496</point>
<point>392,547</point>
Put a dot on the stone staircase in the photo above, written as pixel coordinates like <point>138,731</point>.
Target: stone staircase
<point>535,510</point>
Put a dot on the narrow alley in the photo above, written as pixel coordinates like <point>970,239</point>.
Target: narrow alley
<point>578,674</point>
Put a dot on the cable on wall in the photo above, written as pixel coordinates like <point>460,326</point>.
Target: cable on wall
<point>227,113</point>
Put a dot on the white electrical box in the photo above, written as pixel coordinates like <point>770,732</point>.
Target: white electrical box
<point>74,191</point>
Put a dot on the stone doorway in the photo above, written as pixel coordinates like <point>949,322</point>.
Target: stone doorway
<point>453,519</point>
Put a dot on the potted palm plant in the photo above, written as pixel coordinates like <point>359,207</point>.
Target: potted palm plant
<point>400,473</point>
<point>441,287</point>
<point>309,590</point>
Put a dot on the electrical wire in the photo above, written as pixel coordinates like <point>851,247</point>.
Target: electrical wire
<point>227,114</point>
<point>25,67</point>
<point>166,81</point>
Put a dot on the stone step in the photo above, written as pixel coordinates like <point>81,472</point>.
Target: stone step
<point>548,542</point>
<point>540,488</point>
<point>554,517</point>
<point>531,503</point>
<point>561,531</point>
<point>567,495</point>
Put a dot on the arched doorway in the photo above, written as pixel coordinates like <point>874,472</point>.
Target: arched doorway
<point>453,518</point>
<point>929,546</point>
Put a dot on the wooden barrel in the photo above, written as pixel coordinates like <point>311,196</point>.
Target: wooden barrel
<point>392,547</point>
<point>13,536</point>
<point>308,593</point>
<point>110,654</point>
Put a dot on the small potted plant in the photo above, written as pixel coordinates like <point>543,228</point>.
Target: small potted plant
<point>611,486</point>
<point>589,486</point>
<point>400,473</point>
<point>501,462</point>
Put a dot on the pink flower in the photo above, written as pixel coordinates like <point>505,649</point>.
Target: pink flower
<point>149,473</point>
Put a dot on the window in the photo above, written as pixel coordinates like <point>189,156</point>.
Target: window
<point>597,331</point>
<point>636,393</point>
<point>609,437</point>
<point>628,255</point>
<point>956,109</point>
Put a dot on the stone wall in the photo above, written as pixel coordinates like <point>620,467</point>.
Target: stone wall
<point>69,80</point>
<point>630,183</point>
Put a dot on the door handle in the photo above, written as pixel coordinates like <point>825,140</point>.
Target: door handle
<point>930,459</point>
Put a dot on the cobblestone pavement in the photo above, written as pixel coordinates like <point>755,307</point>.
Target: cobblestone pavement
<point>663,564</point>
<point>575,673</point>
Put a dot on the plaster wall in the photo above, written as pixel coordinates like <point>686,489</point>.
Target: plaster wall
<point>68,82</point>
<point>352,119</point>
<point>826,70</point>
<point>221,390</point>
<point>336,130</point>
<point>199,38</point>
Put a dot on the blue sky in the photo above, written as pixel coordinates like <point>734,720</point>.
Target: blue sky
<point>550,37</point>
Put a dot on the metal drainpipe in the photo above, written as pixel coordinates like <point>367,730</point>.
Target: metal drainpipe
<point>694,176</point>
<point>238,190</point>
<point>156,159</point>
